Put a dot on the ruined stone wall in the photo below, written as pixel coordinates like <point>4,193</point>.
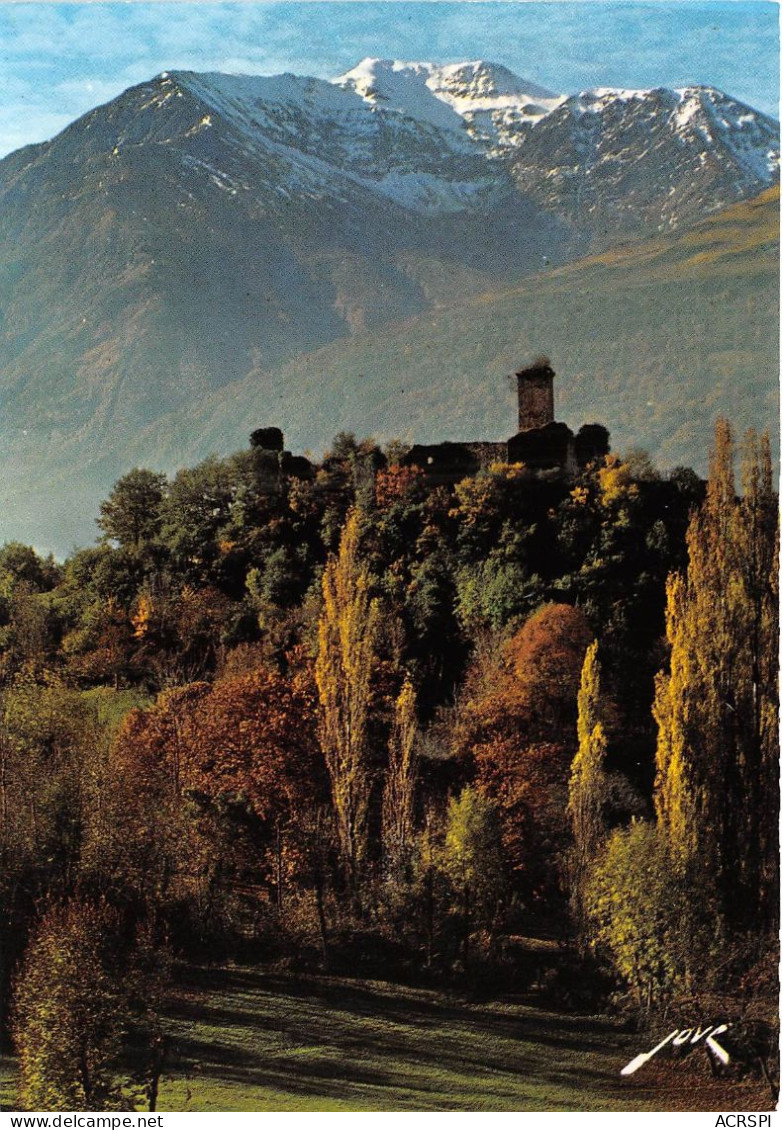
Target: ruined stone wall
<point>487,453</point>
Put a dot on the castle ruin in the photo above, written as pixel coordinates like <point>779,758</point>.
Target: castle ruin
<point>541,443</point>
<point>535,387</point>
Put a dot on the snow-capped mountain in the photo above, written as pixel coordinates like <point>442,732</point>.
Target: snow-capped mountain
<point>202,227</point>
<point>324,140</point>
<point>494,105</point>
<point>458,137</point>
<point>630,154</point>
<point>616,161</point>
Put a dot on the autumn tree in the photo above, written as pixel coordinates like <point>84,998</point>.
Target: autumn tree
<point>588,783</point>
<point>52,754</point>
<point>146,843</point>
<point>178,631</point>
<point>716,707</point>
<point>209,786</point>
<point>89,985</point>
<point>471,860</point>
<point>252,756</point>
<point>641,914</point>
<point>347,656</point>
<point>399,791</point>
<point>68,1016</point>
<point>49,744</point>
<point>518,722</point>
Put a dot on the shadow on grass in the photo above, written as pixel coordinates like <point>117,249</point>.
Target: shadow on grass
<point>407,1049</point>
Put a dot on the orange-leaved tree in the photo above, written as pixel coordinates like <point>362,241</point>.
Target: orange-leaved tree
<point>519,724</point>
<point>210,768</point>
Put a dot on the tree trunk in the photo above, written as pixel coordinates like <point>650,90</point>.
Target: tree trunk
<point>278,865</point>
<point>429,916</point>
<point>466,925</point>
<point>322,923</point>
<point>158,1058</point>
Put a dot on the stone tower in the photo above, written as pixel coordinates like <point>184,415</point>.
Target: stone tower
<point>536,396</point>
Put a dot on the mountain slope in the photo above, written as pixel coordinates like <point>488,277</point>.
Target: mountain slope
<point>610,162</point>
<point>655,339</point>
<point>194,226</point>
<point>218,240</point>
<point>588,160</point>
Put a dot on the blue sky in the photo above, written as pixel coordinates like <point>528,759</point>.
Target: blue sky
<point>59,60</point>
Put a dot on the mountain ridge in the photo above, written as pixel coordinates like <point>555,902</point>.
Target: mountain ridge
<point>201,232</point>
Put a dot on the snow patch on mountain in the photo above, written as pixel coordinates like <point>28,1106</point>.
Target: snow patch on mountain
<point>497,106</point>
<point>403,87</point>
<point>325,137</point>
<point>488,100</point>
<point>750,137</point>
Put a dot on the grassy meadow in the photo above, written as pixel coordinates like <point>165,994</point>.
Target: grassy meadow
<point>243,1039</point>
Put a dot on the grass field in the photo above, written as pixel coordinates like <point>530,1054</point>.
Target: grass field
<point>246,1040</point>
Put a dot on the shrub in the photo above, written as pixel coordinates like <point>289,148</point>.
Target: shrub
<point>641,912</point>
<point>68,1018</point>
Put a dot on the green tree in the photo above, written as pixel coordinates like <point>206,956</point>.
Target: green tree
<point>49,748</point>
<point>52,751</point>
<point>131,514</point>
<point>28,627</point>
<point>20,563</point>
<point>472,860</point>
<point>68,1016</point>
<point>648,916</point>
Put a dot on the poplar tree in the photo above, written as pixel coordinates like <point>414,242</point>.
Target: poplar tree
<point>348,633</point>
<point>399,791</point>
<point>759,562</point>
<point>588,783</point>
<point>716,793</point>
<point>675,706</point>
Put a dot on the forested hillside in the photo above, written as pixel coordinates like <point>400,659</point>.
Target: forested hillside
<point>337,718</point>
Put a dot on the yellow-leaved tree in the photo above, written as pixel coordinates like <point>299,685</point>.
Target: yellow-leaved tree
<point>348,633</point>
<point>717,793</point>
<point>588,791</point>
<point>399,791</point>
